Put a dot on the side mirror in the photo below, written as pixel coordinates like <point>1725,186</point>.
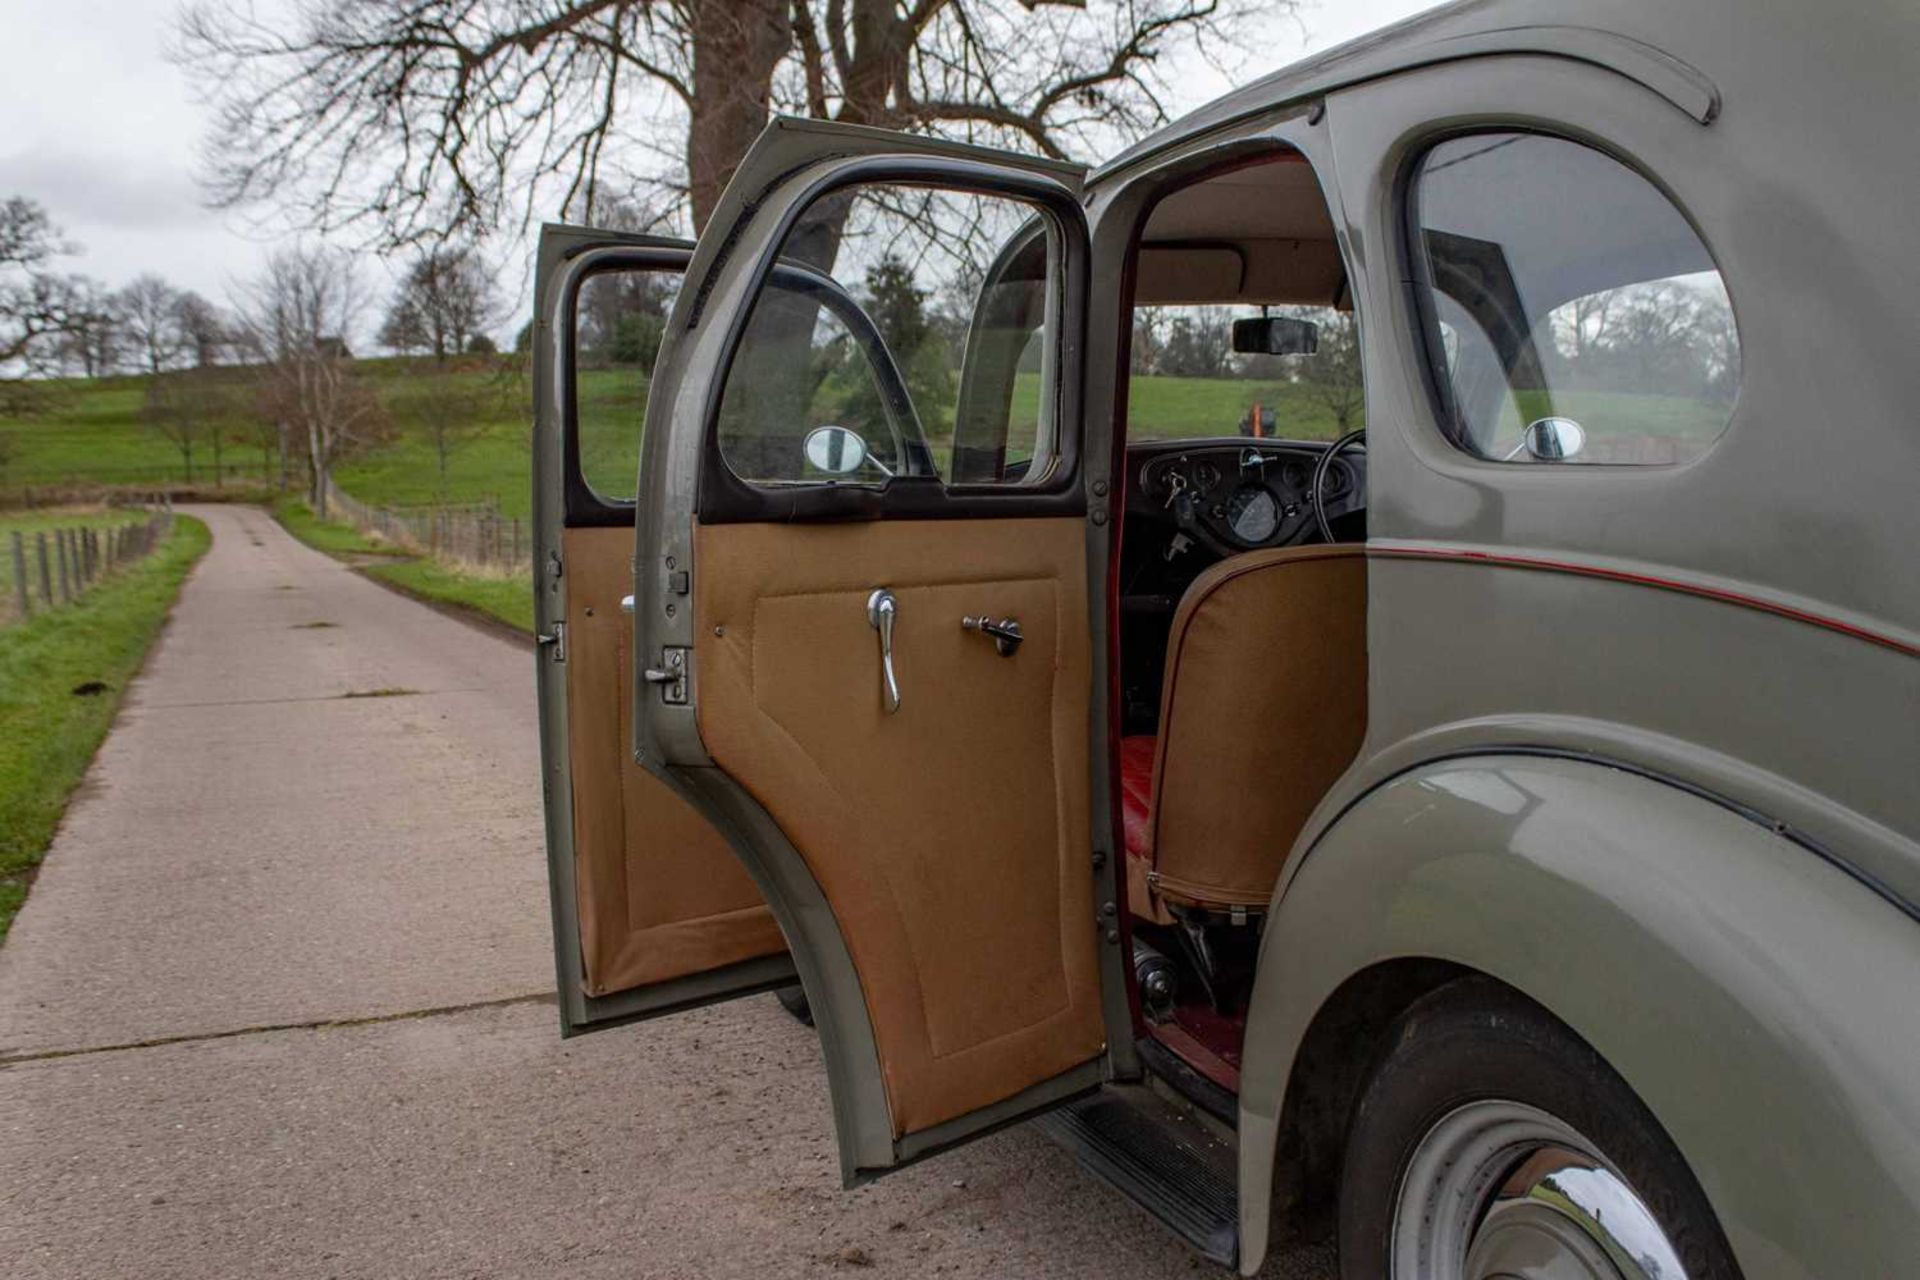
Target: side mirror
<point>1275,336</point>
<point>838,451</point>
<point>1553,439</point>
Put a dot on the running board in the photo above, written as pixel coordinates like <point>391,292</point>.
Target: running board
<point>1161,1158</point>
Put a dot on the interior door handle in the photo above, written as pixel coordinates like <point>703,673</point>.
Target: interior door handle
<point>881,608</point>
<point>1006,632</point>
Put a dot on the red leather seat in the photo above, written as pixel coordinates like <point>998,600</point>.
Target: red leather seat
<point>1136,795</point>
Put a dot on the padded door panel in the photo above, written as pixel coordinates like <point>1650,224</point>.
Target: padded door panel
<point>950,838</point>
<point>661,894</point>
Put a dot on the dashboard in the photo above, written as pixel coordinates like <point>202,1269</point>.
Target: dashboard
<point>1238,495</point>
<point>1192,503</point>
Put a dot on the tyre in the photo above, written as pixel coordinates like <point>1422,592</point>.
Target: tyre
<point>794,1000</point>
<point>1491,1141</point>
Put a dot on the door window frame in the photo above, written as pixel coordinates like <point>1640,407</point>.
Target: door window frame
<point>725,498</point>
<point>583,505</point>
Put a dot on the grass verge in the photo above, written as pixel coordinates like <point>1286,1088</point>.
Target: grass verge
<point>507,600</point>
<point>49,729</point>
<point>324,535</point>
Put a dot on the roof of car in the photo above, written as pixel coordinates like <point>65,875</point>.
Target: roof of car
<point>1611,32</point>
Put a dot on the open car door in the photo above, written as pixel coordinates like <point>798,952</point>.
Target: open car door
<point>862,639</point>
<point>652,912</point>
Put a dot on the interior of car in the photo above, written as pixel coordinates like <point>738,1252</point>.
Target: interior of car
<point>1242,587</point>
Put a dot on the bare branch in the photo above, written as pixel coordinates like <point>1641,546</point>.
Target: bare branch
<point>414,121</point>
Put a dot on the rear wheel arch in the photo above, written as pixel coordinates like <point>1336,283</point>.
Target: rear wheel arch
<point>1351,1027</point>
<point>1691,946</point>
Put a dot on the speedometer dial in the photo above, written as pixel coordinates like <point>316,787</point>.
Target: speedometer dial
<point>1253,513</point>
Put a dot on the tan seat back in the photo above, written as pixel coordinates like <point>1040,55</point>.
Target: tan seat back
<point>1263,707</point>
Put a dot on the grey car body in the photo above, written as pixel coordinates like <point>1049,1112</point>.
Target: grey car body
<point>1643,743</point>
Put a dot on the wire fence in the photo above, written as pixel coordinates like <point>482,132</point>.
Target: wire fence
<point>50,568</point>
<point>475,536</point>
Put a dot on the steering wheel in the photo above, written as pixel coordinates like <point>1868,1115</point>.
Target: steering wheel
<point>1317,491</point>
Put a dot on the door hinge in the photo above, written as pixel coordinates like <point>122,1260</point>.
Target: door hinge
<point>671,675</point>
<point>555,641</point>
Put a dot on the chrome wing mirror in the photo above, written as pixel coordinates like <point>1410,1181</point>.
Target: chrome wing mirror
<point>839,451</point>
<point>1550,440</point>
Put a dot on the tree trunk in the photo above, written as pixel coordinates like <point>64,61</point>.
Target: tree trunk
<point>317,465</point>
<point>737,44</point>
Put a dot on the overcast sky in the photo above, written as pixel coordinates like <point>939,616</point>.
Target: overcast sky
<point>103,131</point>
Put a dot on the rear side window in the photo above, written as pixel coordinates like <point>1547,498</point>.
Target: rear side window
<point>1571,312</point>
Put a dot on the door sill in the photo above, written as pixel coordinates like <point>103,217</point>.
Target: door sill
<point>1181,1077</point>
<point>1162,1158</point>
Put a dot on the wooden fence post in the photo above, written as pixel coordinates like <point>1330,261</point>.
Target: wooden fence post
<point>20,574</point>
<point>46,570</point>
<point>60,554</point>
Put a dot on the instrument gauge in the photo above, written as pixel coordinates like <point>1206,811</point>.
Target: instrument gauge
<point>1253,514</point>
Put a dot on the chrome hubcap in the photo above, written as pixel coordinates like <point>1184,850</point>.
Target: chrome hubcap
<point>1502,1191</point>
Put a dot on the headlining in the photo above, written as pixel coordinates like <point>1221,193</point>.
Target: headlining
<point>1256,235</point>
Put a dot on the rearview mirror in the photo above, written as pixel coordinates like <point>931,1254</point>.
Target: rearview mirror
<point>837,451</point>
<point>1275,336</point>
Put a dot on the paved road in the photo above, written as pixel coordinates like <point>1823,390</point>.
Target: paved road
<point>278,1005</point>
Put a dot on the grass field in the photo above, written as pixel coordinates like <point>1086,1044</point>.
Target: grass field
<point>92,434</point>
<point>61,678</point>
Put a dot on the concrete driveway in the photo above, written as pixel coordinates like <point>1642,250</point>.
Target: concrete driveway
<point>279,1004</point>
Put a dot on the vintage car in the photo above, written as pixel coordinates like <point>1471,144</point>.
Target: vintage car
<point>1489,839</point>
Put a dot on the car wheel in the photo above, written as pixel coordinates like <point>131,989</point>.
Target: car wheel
<point>1493,1142</point>
<point>794,1000</point>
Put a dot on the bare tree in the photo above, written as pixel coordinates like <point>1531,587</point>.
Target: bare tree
<point>196,409</point>
<point>39,306</point>
<point>443,119</point>
<point>1332,374</point>
<point>169,411</point>
<point>294,321</point>
<point>446,299</point>
<point>148,308</point>
<point>454,407</point>
<point>203,330</point>
<point>403,332</point>
<point>92,343</point>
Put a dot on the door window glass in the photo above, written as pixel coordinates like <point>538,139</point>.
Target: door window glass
<point>618,319</point>
<point>1561,287</point>
<point>917,319</point>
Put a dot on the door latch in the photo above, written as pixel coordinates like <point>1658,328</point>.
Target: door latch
<point>670,675</point>
<point>1006,632</point>
<point>555,641</point>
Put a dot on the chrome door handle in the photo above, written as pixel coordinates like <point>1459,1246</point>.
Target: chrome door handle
<point>881,608</point>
